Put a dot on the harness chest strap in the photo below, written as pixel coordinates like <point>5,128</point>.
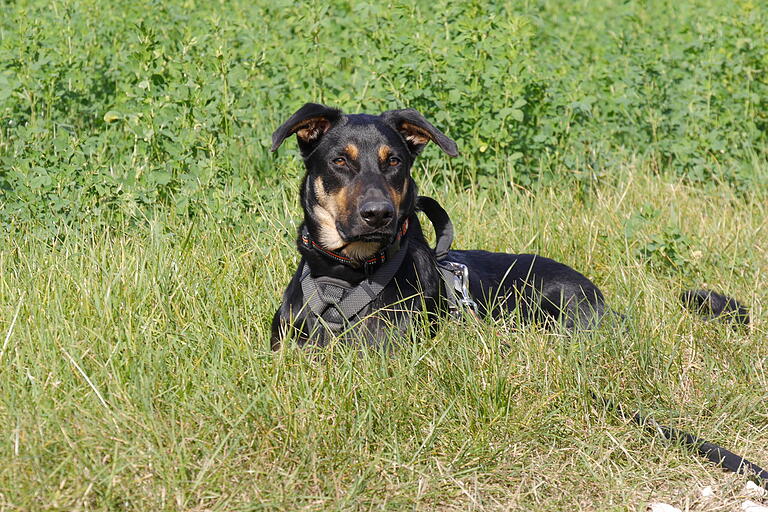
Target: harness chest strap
<point>336,303</point>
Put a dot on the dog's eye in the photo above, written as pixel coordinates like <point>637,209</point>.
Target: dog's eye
<point>394,161</point>
<point>339,161</point>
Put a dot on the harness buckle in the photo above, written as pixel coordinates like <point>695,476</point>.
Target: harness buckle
<point>466,299</point>
<point>459,297</point>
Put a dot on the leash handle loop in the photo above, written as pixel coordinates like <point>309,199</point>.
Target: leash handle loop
<point>440,221</point>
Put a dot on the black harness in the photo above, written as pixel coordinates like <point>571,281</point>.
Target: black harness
<point>335,302</point>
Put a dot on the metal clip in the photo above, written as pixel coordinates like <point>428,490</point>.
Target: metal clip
<point>466,298</point>
<point>460,288</point>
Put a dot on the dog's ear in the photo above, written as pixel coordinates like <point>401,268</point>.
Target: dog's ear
<point>417,131</point>
<point>309,123</point>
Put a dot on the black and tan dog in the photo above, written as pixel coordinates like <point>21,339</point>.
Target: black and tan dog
<point>360,204</point>
<point>367,271</point>
<point>366,267</point>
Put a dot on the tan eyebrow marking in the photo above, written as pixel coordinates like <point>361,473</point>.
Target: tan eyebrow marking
<point>351,151</point>
<point>384,152</point>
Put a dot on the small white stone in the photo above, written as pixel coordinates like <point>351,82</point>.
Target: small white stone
<point>753,489</point>
<point>707,492</point>
<point>751,506</point>
<point>663,507</point>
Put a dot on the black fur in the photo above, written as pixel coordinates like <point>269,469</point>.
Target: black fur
<point>712,305</point>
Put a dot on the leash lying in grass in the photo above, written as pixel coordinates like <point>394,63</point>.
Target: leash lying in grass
<point>715,453</point>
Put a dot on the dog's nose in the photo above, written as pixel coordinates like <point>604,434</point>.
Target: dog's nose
<point>377,214</point>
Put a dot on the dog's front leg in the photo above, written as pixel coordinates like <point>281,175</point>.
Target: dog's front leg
<point>278,331</point>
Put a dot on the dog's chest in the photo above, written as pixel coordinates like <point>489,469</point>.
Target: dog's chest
<point>325,308</point>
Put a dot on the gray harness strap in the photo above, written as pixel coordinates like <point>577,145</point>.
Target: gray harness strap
<point>336,302</point>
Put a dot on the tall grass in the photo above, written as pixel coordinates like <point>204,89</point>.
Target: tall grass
<point>136,374</point>
<point>147,234</point>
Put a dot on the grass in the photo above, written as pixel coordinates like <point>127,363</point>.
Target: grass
<point>136,375</point>
<point>147,234</point>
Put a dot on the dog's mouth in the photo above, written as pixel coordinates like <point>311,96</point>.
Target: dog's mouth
<point>376,237</point>
<point>373,238</point>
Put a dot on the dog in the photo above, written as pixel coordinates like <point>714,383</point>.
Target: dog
<point>360,202</point>
<point>366,268</point>
<point>367,272</point>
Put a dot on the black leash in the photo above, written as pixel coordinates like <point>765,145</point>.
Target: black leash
<point>714,453</point>
<point>441,222</point>
<point>455,275</point>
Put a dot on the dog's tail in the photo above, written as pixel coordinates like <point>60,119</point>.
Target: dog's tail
<point>713,305</point>
<point>715,453</point>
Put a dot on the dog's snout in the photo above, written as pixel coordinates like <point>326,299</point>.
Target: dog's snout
<point>377,214</point>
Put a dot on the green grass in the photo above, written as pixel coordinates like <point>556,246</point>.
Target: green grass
<point>146,234</point>
<point>136,373</point>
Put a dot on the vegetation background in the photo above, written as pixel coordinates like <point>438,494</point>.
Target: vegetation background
<point>147,234</point>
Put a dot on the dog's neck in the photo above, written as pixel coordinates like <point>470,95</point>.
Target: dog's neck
<point>323,262</point>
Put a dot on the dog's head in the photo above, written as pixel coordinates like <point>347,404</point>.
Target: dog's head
<point>358,188</point>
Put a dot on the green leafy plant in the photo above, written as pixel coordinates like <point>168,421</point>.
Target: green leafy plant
<point>666,251</point>
<point>115,110</point>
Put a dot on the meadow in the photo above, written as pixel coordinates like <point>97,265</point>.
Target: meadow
<point>147,234</point>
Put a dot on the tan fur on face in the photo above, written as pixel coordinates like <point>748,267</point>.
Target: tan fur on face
<point>325,212</point>
<point>397,196</point>
<point>384,152</point>
<point>361,251</point>
<point>351,151</point>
